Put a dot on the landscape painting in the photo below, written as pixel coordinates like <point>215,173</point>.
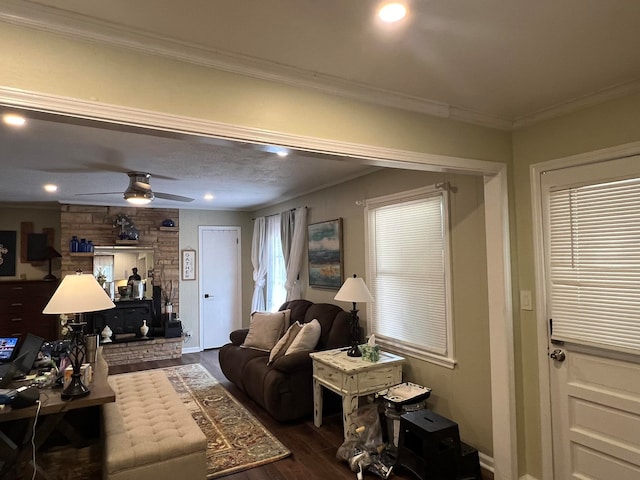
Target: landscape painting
<point>325,254</point>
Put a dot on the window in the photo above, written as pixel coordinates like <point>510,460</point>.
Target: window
<point>594,264</point>
<point>276,292</point>
<point>408,269</point>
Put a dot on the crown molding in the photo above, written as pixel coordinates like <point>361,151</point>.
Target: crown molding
<point>52,20</point>
<point>580,103</point>
<point>69,24</point>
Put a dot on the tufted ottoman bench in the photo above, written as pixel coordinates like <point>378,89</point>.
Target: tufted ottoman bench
<point>148,432</point>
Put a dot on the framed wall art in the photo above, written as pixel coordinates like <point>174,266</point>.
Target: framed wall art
<point>325,254</point>
<point>7,253</point>
<point>188,264</point>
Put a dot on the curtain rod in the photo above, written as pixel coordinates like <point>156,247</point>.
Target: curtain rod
<point>274,214</point>
<point>446,186</point>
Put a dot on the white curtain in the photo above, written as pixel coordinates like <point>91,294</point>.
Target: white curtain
<point>258,260</point>
<point>295,248</point>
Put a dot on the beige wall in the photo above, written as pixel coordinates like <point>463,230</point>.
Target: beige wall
<point>36,61</point>
<point>463,393</point>
<point>613,123</point>
<point>190,220</point>
<point>42,216</point>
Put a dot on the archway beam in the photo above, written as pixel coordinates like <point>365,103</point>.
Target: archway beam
<point>496,222</point>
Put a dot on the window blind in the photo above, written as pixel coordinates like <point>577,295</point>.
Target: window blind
<point>594,264</point>
<point>407,272</point>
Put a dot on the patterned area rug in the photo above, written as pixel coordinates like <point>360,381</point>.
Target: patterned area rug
<point>236,439</point>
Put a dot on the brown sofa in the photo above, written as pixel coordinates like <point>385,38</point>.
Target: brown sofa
<point>284,388</point>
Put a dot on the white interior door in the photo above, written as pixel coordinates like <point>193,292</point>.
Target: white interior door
<point>592,269</point>
<point>220,289</point>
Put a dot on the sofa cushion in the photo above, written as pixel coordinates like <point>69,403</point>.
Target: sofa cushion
<point>285,342</point>
<point>307,338</point>
<point>265,329</point>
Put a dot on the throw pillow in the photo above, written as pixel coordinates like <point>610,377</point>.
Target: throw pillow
<point>307,338</point>
<point>284,343</point>
<point>265,329</point>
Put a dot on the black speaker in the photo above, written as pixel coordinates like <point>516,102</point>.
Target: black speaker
<point>157,328</point>
<point>25,397</point>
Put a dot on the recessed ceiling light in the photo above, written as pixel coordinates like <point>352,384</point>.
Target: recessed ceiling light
<point>282,153</point>
<point>49,187</point>
<point>14,120</point>
<point>208,196</point>
<point>392,12</point>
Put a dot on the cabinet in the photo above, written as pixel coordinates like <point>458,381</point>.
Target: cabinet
<point>124,320</point>
<point>21,305</point>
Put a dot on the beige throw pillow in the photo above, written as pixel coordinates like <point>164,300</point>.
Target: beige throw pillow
<point>265,329</point>
<point>283,344</point>
<point>307,338</point>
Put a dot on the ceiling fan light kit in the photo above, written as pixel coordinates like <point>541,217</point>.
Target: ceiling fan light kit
<point>138,198</point>
<point>139,191</point>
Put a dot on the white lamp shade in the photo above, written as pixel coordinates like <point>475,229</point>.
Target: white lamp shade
<point>78,293</point>
<point>354,290</point>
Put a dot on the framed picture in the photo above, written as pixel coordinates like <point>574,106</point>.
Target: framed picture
<point>7,253</point>
<point>325,254</point>
<point>188,264</point>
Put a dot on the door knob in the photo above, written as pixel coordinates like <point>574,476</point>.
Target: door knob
<point>558,355</point>
<point>206,295</point>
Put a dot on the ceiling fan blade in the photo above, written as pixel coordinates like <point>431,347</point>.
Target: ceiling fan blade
<point>101,193</point>
<point>169,196</point>
<point>141,185</point>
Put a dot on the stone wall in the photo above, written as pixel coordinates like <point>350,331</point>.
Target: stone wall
<point>95,223</point>
<point>142,351</point>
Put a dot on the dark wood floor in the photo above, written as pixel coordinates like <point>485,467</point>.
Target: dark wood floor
<point>313,449</point>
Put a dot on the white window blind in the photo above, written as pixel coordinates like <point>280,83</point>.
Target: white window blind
<point>408,265</point>
<point>594,264</point>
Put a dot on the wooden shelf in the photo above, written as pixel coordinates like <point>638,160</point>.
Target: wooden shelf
<point>169,229</point>
<point>81,254</point>
<point>126,242</point>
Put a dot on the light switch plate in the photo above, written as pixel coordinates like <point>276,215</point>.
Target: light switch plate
<point>525,300</point>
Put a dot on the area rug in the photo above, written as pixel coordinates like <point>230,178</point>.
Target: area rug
<point>236,440</point>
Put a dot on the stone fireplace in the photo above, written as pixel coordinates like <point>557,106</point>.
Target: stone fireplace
<point>96,223</point>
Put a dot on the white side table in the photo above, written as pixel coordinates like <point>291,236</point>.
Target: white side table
<point>351,377</point>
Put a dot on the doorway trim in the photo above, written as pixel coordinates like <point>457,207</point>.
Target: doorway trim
<point>504,429</point>
<point>535,172</point>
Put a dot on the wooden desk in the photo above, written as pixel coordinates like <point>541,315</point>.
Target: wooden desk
<point>52,412</point>
<point>351,377</point>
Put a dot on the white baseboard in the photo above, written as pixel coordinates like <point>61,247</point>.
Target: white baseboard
<point>486,461</point>
<point>191,350</point>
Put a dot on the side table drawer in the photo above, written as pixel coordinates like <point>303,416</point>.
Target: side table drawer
<point>328,375</point>
<point>377,379</point>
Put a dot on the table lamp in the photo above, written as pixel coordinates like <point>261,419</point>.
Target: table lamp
<point>77,294</point>
<point>49,255</point>
<point>354,290</point>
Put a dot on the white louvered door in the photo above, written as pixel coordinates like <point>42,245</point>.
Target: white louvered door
<point>592,255</point>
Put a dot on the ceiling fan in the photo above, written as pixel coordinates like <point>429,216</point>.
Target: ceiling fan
<point>139,191</point>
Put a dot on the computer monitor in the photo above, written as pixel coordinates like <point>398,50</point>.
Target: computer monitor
<point>8,348</point>
<point>28,352</point>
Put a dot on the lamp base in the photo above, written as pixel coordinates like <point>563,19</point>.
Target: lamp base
<point>75,389</point>
<point>354,351</point>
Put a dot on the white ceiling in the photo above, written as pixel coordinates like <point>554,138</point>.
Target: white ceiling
<point>503,63</point>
